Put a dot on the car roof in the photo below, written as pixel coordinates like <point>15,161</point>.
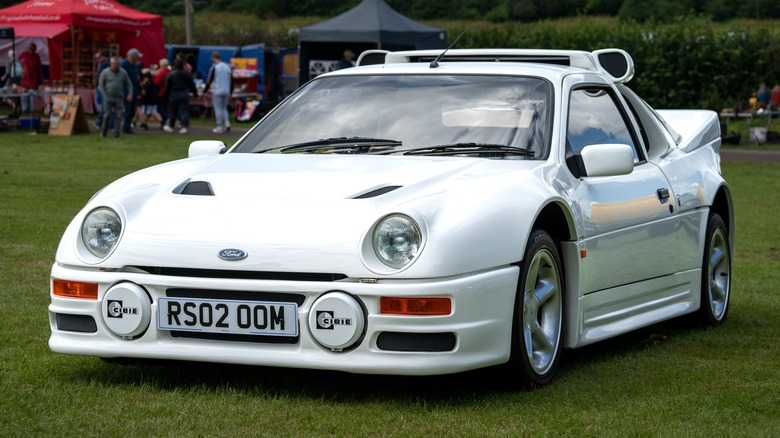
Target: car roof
<point>551,72</point>
<point>615,65</point>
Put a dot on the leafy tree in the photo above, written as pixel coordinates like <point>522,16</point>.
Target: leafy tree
<point>524,10</point>
<point>492,10</point>
<point>499,13</point>
<point>652,10</point>
<point>721,10</point>
<point>603,7</point>
<point>759,9</point>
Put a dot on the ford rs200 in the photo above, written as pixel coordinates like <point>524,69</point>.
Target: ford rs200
<point>433,213</point>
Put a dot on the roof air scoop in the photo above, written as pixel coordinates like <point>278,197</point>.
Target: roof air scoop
<point>615,63</point>
<point>372,57</point>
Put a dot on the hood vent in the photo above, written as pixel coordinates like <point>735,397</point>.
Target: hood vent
<point>197,188</point>
<point>378,192</point>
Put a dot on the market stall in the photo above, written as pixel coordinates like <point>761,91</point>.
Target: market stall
<point>69,32</point>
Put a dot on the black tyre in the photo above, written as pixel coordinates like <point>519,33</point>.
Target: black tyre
<point>716,273</point>
<point>538,318</point>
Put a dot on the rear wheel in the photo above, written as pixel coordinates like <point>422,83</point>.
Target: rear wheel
<point>538,317</point>
<point>716,273</point>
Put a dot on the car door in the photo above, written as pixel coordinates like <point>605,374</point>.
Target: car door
<point>629,223</point>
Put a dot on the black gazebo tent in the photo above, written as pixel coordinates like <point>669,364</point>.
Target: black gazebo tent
<point>370,25</point>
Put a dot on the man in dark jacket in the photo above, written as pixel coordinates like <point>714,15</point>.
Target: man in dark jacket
<point>130,65</point>
<point>178,87</point>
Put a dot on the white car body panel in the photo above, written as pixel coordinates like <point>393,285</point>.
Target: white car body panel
<point>625,223</point>
<point>631,244</point>
<point>152,227</point>
<point>482,339</point>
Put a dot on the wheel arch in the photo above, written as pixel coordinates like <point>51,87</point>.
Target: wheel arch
<point>722,205</point>
<point>557,220</point>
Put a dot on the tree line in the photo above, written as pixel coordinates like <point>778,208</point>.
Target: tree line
<point>492,10</point>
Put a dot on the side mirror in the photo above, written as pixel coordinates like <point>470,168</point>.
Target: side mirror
<point>607,159</point>
<point>206,147</point>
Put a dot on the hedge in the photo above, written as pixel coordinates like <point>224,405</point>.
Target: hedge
<point>689,64</point>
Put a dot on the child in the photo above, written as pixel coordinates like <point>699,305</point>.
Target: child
<point>148,100</point>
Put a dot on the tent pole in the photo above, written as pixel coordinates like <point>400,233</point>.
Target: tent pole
<point>189,22</point>
<point>74,59</point>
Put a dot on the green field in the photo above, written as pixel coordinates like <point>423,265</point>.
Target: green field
<point>697,382</point>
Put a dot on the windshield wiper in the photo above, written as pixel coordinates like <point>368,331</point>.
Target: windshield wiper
<point>339,145</point>
<point>476,149</point>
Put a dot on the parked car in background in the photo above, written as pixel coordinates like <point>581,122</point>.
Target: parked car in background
<point>433,214</point>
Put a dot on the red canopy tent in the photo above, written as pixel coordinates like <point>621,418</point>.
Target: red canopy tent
<point>76,29</point>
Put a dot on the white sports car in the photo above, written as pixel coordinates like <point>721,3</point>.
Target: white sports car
<point>427,215</point>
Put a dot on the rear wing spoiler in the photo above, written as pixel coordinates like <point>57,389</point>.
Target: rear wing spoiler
<point>616,64</point>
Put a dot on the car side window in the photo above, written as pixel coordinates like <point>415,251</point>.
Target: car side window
<point>595,118</point>
<point>642,130</point>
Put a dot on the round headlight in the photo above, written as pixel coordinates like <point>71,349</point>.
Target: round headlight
<point>100,231</point>
<point>397,240</point>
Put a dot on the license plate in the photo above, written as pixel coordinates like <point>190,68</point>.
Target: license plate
<point>228,316</point>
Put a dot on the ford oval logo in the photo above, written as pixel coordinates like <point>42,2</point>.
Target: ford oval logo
<point>232,254</point>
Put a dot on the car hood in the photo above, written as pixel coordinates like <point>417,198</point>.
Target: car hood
<point>294,213</point>
<point>318,178</point>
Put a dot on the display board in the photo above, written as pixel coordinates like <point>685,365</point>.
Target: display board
<point>245,75</point>
<point>67,116</point>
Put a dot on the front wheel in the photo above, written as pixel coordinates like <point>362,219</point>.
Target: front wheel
<point>538,316</point>
<point>716,273</point>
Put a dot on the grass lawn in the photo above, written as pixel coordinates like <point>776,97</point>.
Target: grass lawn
<point>699,382</point>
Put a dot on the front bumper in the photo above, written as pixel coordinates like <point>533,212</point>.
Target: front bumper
<point>479,326</point>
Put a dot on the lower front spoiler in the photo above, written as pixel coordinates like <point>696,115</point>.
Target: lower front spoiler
<point>389,363</point>
<point>480,328</point>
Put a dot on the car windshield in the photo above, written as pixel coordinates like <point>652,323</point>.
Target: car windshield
<point>391,114</point>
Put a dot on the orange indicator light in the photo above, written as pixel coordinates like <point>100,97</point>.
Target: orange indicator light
<point>415,306</point>
<point>583,253</point>
<point>74,289</point>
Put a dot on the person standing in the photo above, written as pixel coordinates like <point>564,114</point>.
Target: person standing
<point>31,76</point>
<point>148,100</point>
<point>12,78</point>
<point>13,71</point>
<point>221,76</point>
<point>347,61</point>
<point>102,60</point>
<point>159,81</point>
<point>178,87</point>
<point>116,88</point>
<point>130,65</point>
